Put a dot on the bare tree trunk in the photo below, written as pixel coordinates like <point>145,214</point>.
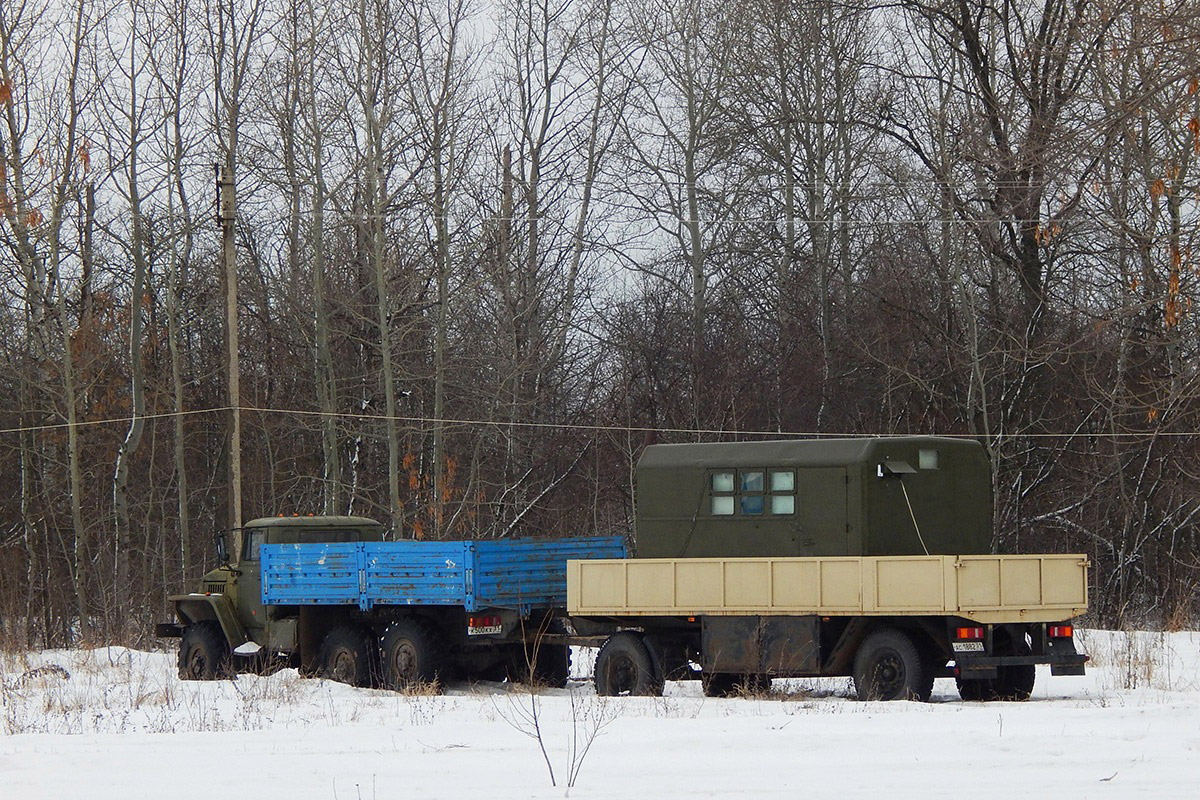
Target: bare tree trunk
<point>44,275</point>
<point>440,205</point>
<point>326,377</point>
<point>180,258</point>
<point>375,208</point>
<point>436,101</point>
<point>598,142</point>
<point>133,436</point>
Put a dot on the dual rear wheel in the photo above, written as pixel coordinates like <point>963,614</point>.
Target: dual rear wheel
<point>412,654</point>
<point>890,666</point>
<point>1012,682</point>
<point>347,655</point>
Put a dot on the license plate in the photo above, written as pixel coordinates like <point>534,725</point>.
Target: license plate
<point>482,630</point>
<point>968,647</point>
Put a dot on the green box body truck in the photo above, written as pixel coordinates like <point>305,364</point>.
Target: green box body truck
<point>866,557</point>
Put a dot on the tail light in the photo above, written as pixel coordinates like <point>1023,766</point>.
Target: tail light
<point>968,633</point>
<point>1060,631</point>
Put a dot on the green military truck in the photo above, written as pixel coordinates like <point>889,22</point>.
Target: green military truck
<point>330,596</point>
<point>867,558</point>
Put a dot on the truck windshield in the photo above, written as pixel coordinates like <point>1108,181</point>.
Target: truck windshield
<point>254,541</point>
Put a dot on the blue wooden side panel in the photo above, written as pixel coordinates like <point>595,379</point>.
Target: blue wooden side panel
<point>518,573</point>
<point>532,573</point>
<point>311,574</point>
<point>418,573</point>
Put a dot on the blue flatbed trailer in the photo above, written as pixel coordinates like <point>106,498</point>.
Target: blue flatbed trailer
<point>516,574</point>
<point>405,612</point>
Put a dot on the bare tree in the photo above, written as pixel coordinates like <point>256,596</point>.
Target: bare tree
<point>442,101</point>
<point>37,235</point>
<point>677,146</point>
<point>801,95</point>
<point>174,61</point>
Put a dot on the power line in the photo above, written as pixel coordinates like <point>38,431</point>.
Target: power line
<point>421,421</point>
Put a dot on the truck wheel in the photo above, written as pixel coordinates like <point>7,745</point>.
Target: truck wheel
<point>346,656</point>
<point>889,666</point>
<point>1016,682</point>
<point>1012,681</point>
<point>203,652</point>
<point>413,655</point>
<point>624,667</point>
<point>976,690</point>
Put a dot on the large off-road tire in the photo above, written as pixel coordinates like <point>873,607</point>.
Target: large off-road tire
<point>551,665</point>
<point>976,690</point>
<point>624,667</point>
<point>732,684</point>
<point>889,666</point>
<point>347,655</point>
<point>1016,682</point>
<point>203,652</point>
<point>414,655</point>
<point>1012,682</point>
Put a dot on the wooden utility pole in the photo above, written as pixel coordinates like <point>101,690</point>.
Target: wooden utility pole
<point>225,216</point>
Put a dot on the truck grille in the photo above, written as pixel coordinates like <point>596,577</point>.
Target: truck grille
<point>214,587</point>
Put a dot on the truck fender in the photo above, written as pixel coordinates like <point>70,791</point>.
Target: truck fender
<point>190,608</point>
<point>841,656</point>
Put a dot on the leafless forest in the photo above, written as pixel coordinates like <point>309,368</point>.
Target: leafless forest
<point>487,251</point>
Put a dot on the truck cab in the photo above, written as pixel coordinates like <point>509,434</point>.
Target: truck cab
<point>228,611</point>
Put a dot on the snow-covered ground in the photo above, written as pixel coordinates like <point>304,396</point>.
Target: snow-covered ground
<point>116,723</point>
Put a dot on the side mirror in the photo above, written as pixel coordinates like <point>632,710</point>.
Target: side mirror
<point>222,547</point>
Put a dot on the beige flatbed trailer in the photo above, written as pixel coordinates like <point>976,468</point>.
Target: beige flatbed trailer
<point>894,623</point>
<point>987,589</point>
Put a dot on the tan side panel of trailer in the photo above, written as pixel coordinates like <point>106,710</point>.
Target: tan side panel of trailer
<point>748,584</point>
<point>798,584</point>
<point>1061,582</point>
<point>985,588</point>
<point>979,582</point>
<point>596,584</point>
<point>698,584</point>
<point>841,584</point>
<point>1025,584</point>
<point>905,585</point>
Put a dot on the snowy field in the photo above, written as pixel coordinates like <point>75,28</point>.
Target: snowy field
<point>115,723</point>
